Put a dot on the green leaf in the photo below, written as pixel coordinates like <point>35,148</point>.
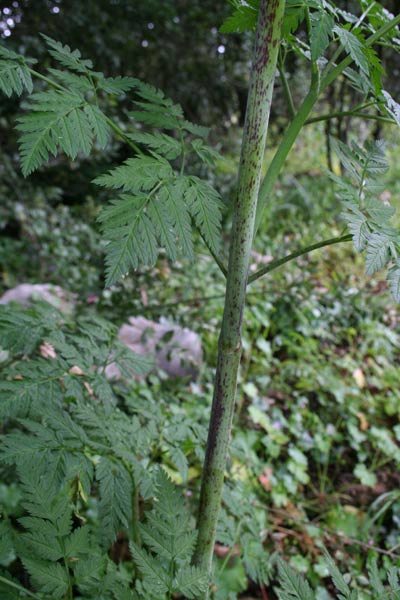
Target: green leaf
<point>98,123</point>
<point>163,144</point>
<point>295,13</point>
<point>142,173</point>
<point>40,544</point>
<point>190,581</point>
<point>394,280</point>
<point>293,586</point>
<point>244,18</point>
<point>115,498</point>
<point>78,544</point>
<point>378,211</point>
<point>68,58</point>
<point>337,578</point>
<point>57,122</point>
<point>131,236</point>
<point>14,78</point>
<point>358,226</point>
<point>173,195</point>
<point>89,573</point>
<point>205,206</point>
<point>377,253</point>
<point>354,45</point>
<point>322,24</point>
<point>366,477</point>
<point>154,576</point>
<point>116,85</point>
<point>48,578</point>
<point>392,107</point>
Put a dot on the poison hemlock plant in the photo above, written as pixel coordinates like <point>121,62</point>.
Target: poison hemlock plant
<point>67,433</point>
<point>168,543</point>
<point>295,587</point>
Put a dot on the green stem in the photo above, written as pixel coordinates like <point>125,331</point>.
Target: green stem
<point>284,148</point>
<point>122,135</point>
<point>16,586</point>
<point>216,258</point>
<point>49,82</point>
<point>232,549</point>
<point>349,113</point>
<point>302,114</point>
<point>230,342</point>
<point>275,264</point>
<point>338,69</point>
<point>135,514</point>
<point>286,88</point>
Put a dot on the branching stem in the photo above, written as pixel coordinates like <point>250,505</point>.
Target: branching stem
<point>275,264</point>
<point>302,115</point>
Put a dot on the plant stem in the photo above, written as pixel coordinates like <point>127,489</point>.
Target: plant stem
<point>338,69</point>
<point>135,514</point>
<point>275,264</point>
<point>19,588</point>
<point>349,113</point>
<point>285,146</point>
<point>302,114</point>
<point>229,347</point>
<point>286,88</point>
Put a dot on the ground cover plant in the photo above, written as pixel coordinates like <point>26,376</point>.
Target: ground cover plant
<point>76,438</point>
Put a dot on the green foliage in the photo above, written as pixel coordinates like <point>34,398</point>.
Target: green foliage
<point>162,203</point>
<point>368,217</point>
<point>84,449</point>
<point>321,32</point>
<point>168,542</point>
<point>15,76</point>
<point>70,444</point>
<point>294,587</point>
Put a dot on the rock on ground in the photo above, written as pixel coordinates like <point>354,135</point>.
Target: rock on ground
<point>177,350</point>
<point>53,294</point>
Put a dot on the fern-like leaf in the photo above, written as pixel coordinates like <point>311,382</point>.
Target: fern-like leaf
<point>115,498</point>
<point>293,586</point>
<point>71,59</point>
<point>205,206</point>
<point>131,236</point>
<point>57,122</point>
<point>190,581</point>
<point>155,577</point>
<point>49,578</point>
<point>394,281</point>
<point>136,174</point>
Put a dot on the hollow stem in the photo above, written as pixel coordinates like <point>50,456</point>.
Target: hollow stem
<point>230,342</point>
